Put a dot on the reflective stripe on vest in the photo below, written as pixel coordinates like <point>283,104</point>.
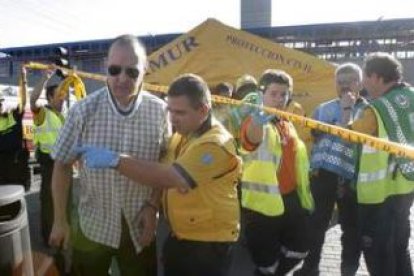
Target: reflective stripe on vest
<point>372,175</point>
<point>258,187</point>
<point>262,154</point>
<point>406,168</point>
<point>377,178</point>
<point>293,254</point>
<point>46,134</point>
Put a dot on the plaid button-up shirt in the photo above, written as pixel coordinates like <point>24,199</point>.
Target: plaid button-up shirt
<point>105,195</point>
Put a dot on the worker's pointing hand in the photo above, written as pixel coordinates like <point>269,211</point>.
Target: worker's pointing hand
<point>98,158</point>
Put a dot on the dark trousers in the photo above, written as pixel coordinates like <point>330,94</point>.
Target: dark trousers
<point>327,189</point>
<point>14,168</point>
<point>385,233</point>
<point>280,239</point>
<point>91,258</point>
<point>196,258</point>
<point>46,202</point>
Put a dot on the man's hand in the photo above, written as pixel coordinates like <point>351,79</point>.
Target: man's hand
<point>261,118</point>
<point>98,158</point>
<point>247,106</point>
<point>147,222</point>
<point>348,100</point>
<point>60,235</point>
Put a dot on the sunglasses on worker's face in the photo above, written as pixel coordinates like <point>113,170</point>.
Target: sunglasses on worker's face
<point>115,70</point>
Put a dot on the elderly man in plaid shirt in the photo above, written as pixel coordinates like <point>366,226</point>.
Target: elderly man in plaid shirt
<point>117,217</point>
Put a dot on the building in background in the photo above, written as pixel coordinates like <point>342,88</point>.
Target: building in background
<point>338,42</point>
<point>255,14</point>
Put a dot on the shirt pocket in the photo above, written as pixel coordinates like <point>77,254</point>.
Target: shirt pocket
<point>194,220</point>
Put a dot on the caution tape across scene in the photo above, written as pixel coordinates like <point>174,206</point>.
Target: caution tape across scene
<point>346,134</point>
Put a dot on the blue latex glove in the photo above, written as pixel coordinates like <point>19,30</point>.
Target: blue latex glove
<point>253,98</point>
<point>98,158</point>
<point>261,118</point>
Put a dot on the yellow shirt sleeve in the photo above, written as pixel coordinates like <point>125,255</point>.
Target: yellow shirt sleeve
<point>367,124</point>
<point>203,163</point>
<point>39,117</point>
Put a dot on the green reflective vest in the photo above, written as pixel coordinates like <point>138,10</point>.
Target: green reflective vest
<point>397,112</point>
<point>7,122</point>
<point>45,135</point>
<point>260,187</point>
<point>378,177</point>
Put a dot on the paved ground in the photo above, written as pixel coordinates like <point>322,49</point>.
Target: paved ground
<point>242,264</point>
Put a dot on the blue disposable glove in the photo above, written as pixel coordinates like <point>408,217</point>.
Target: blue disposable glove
<point>98,158</point>
<point>261,118</point>
<point>251,98</point>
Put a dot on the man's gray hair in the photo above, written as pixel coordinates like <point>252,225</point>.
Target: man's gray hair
<point>349,67</point>
<point>133,42</point>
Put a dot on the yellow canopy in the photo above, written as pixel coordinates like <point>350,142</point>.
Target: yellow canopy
<point>219,53</point>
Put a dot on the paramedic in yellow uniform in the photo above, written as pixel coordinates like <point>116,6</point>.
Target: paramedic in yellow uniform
<point>200,201</point>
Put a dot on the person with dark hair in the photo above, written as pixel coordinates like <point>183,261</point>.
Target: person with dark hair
<point>385,182</point>
<point>200,178</point>
<point>47,121</point>
<point>14,154</point>
<point>222,111</point>
<point>117,217</point>
<point>276,200</point>
<point>224,89</point>
<point>333,168</point>
<point>244,85</point>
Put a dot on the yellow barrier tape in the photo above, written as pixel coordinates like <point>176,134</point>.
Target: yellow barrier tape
<point>346,134</point>
<point>41,66</point>
<point>76,83</point>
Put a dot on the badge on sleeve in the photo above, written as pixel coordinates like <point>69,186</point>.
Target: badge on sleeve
<point>207,158</point>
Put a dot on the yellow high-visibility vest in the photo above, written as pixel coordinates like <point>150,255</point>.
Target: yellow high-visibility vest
<point>377,178</point>
<point>45,135</point>
<point>260,187</point>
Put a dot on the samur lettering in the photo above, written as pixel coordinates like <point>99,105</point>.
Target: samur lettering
<point>171,54</point>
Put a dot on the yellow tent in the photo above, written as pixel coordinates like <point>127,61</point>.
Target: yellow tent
<point>219,53</point>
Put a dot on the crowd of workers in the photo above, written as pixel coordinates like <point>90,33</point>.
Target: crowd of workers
<point>219,173</point>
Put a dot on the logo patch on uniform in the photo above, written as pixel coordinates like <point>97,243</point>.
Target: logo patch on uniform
<point>207,159</point>
<point>402,101</point>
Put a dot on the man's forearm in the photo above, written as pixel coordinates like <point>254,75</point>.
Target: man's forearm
<point>149,173</point>
<point>22,92</point>
<point>61,181</point>
<point>254,133</point>
<point>36,92</point>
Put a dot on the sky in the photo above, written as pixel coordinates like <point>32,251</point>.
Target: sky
<point>36,22</point>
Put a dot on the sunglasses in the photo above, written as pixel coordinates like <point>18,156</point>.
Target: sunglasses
<point>115,70</point>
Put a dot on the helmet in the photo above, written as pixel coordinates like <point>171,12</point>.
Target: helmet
<point>244,80</point>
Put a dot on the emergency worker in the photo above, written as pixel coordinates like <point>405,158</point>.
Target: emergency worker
<point>276,199</point>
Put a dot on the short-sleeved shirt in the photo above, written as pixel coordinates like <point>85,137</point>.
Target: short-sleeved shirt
<point>330,152</point>
<point>367,124</point>
<point>204,162</point>
<point>106,195</point>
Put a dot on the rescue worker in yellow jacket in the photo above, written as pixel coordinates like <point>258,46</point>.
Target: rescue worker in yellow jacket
<point>47,121</point>
<point>276,199</point>
<point>385,184</point>
<point>200,200</point>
